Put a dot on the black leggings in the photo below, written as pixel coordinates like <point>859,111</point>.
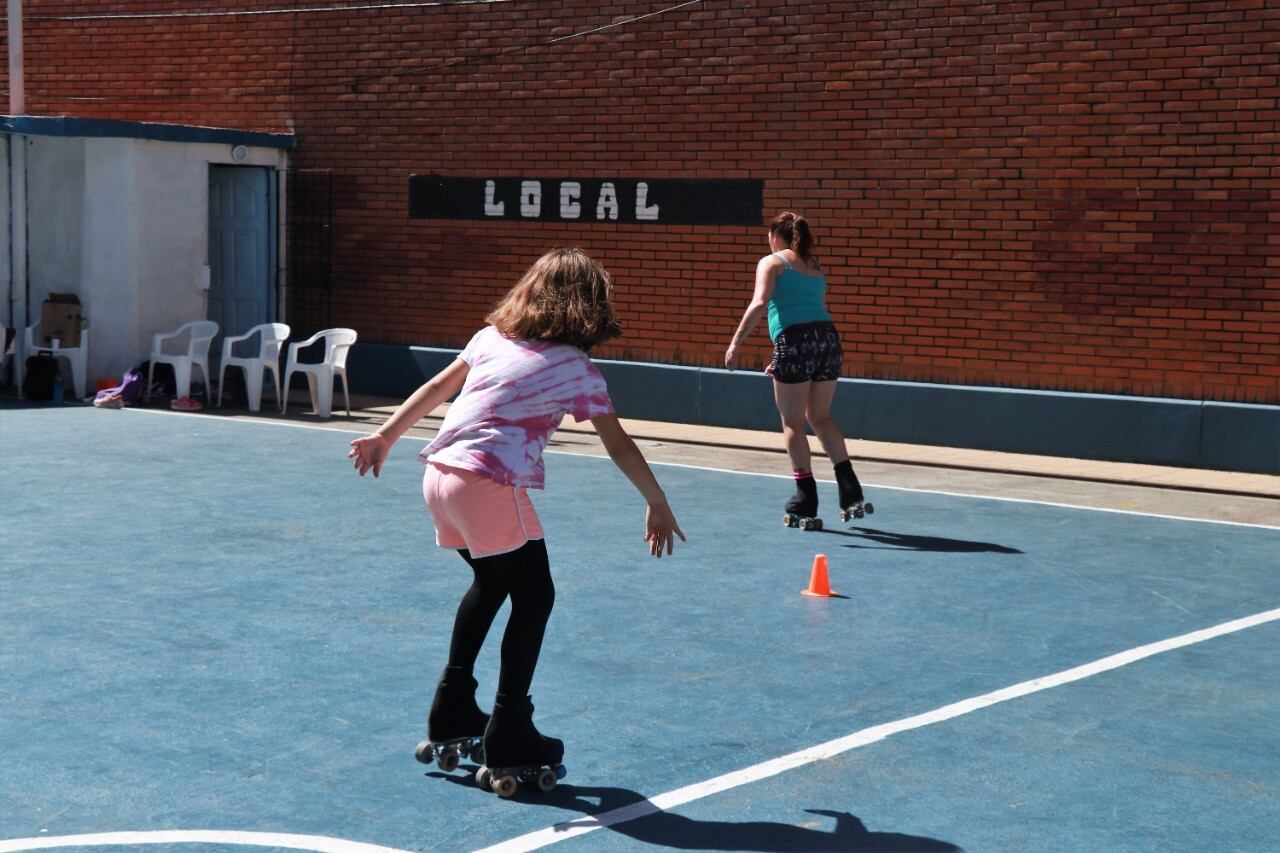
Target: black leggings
<point>525,575</point>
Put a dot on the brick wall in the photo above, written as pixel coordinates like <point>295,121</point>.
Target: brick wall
<point>1058,194</point>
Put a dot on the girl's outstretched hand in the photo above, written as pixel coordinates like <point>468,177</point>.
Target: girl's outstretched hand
<point>661,529</point>
<point>369,452</point>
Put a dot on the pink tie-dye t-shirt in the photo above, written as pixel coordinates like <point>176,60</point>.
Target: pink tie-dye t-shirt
<point>514,397</point>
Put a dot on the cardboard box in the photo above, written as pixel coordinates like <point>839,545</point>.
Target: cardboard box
<point>60,318</point>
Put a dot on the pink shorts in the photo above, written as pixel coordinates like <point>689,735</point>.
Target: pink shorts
<point>473,512</point>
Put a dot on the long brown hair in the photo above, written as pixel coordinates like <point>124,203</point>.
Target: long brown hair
<point>793,230</point>
<point>565,297</point>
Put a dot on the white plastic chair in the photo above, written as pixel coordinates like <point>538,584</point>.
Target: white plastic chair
<point>200,333</point>
<point>321,375</point>
<point>77,357</point>
<point>268,358</point>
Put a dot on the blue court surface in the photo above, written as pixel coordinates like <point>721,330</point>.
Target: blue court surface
<point>215,636</point>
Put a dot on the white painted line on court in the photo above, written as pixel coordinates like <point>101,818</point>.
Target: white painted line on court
<point>967,495</point>
<point>830,749</point>
<point>714,470</point>
<point>317,843</point>
<point>205,417</point>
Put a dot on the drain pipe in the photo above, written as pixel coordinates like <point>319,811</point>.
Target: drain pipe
<point>18,284</point>
<point>17,80</point>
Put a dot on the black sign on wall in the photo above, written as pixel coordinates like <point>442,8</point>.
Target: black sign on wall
<point>659,202</point>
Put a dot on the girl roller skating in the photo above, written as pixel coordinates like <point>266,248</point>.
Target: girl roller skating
<point>518,377</point>
<point>791,287</point>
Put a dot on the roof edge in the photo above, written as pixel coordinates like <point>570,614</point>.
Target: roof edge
<point>97,127</point>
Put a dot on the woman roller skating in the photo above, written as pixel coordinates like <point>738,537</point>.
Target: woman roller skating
<point>791,287</point>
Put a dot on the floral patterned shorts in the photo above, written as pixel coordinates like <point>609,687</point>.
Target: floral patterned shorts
<point>807,352</point>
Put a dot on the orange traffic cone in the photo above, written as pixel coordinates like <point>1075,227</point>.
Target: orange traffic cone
<point>819,585</point>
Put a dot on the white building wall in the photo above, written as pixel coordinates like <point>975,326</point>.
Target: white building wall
<point>56,220</point>
<point>107,279</point>
<point>123,224</point>
<point>172,182</point>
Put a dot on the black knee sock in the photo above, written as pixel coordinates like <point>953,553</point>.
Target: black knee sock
<point>479,606</point>
<point>847,483</point>
<point>805,500</point>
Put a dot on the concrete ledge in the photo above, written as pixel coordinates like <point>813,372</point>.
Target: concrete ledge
<point>643,391</point>
<point>1153,431</point>
<point>1240,437</point>
<point>1092,426</point>
<point>393,370</point>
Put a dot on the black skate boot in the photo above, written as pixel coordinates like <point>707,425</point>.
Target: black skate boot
<point>455,726</point>
<point>853,503</point>
<point>802,509</point>
<point>516,752</point>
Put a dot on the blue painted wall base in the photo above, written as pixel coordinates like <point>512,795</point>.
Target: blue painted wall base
<point>1154,431</point>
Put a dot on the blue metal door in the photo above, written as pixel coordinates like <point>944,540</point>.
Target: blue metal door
<point>241,248</point>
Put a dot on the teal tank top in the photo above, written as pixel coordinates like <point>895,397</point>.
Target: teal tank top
<point>797,298</point>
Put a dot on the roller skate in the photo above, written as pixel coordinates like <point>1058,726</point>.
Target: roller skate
<point>455,726</point>
<point>516,753</point>
<point>802,508</point>
<point>852,501</point>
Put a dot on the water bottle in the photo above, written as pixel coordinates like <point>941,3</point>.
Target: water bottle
<point>58,394</point>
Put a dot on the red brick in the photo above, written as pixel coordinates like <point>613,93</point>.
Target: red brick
<point>1070,195</point>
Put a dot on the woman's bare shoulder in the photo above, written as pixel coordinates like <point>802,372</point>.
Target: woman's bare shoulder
<point>808,266</point>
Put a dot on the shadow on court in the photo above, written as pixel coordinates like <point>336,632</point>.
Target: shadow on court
<point>665,829</point>
<point>912,542</point>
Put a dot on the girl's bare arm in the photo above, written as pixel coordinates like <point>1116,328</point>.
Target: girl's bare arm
<point>661,527</point>
<point>371,450</point>
<point>436,390</point>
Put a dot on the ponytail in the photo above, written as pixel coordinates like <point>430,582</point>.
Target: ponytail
<point>802,240</point>
<point>793,230</point>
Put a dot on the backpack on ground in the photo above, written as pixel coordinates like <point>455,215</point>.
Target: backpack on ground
<point>127,393</point>
<point>131,387</point>
<point>162,382</point>
<point>40,376</point>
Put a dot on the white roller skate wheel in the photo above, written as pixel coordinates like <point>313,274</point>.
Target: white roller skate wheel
<point>546,780</point>
<point>425,752</point>
<point>505,786</point>
<point>448,760</point>
<point>483,779</point>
